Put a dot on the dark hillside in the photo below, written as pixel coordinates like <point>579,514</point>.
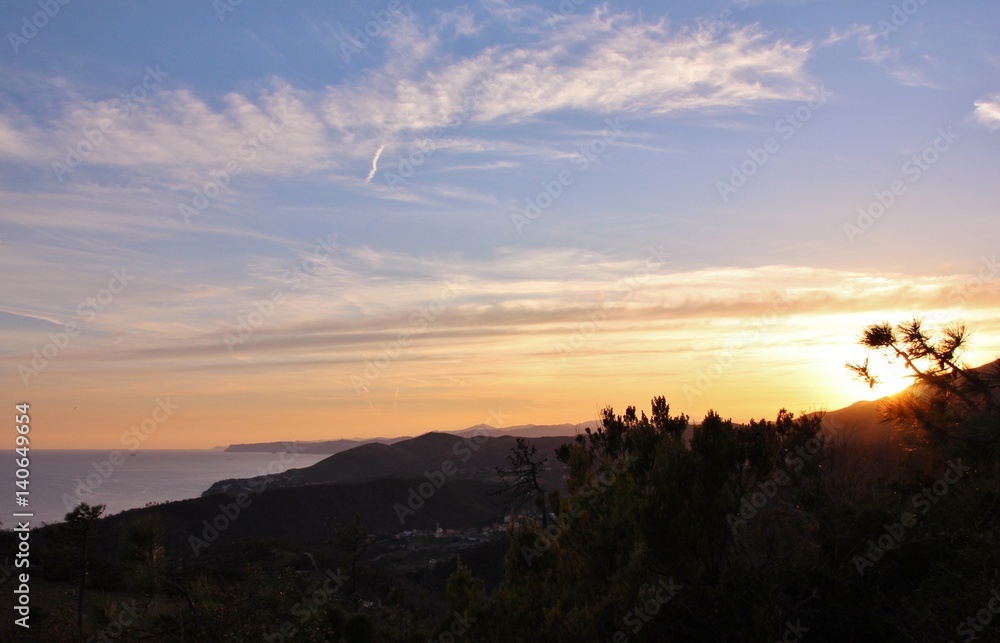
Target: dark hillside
<point>474,458</point>
<point>309,516</point>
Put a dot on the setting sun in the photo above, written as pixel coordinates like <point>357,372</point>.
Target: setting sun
<point>893,377</point>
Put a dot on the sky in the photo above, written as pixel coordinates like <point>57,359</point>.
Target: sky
<point>240,221</point>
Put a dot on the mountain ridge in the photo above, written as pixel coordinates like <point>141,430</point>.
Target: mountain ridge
<point>340,445</point>
<point>473,457</point>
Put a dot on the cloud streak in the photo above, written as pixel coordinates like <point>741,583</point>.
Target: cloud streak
<point>374,169</point>
<point>361,298</point>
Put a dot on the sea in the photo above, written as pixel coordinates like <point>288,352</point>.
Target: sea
<point>60,479</point>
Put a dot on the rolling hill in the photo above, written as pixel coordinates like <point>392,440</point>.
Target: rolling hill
<point>473,457</point>
<point>340,445</point>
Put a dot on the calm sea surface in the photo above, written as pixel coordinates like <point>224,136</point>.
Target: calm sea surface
<point>61,479</point>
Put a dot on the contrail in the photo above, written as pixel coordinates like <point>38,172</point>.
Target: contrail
<point>371,174</point>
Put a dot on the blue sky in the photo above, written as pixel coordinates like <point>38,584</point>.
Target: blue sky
<point>591,203</point>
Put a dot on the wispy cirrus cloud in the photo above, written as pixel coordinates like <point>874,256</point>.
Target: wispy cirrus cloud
<point>598,63</point>
<point>874,50</point>
<point>591,63</point>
